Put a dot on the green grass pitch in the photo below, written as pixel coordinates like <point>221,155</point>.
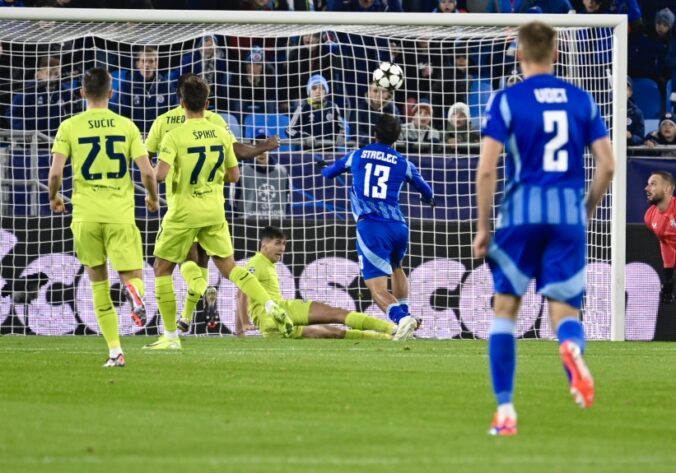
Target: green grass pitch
<point>253,405</point>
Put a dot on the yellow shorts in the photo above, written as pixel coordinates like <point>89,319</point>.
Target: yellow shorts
<point>121,243</point>
<point>173,244</point>
<point>298,311</point>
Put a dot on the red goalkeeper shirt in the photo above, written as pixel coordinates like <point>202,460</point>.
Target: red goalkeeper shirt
<point>663,225</point>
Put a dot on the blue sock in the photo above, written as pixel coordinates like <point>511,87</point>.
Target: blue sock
<point>395,313</point>
<point>502,357</point>
<point>571,329</point>
<point>403,303</point>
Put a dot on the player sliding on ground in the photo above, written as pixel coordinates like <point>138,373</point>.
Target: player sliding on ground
<point>100,144</point>
<point>203,159</point>
<point>194,270</point>
<point>310,318</point>
<point>379,171</point>
<point>541,228</point>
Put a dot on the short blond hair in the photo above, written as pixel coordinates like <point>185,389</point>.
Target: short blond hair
<point>537,42</point>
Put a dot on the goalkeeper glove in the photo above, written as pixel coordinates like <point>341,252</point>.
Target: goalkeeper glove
<point>667,289</point>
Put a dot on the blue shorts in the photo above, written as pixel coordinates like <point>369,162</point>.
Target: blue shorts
<point>381,246</point>
<point>552,254</point>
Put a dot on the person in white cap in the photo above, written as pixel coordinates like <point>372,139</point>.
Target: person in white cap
<point>318,121</point>
<point>665,134</point>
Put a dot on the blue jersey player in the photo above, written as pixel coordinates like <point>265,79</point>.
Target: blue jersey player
<point>545,124</point>
<point>378,173</point>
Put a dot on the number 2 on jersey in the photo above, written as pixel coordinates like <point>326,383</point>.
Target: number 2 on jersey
<point>379,191</point>
<point>555,158</point>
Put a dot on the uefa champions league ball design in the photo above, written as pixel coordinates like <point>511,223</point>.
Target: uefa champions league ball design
<point>388,76</point>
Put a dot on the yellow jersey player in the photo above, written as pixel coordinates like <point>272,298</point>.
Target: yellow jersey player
<point>203,160</point>
<point>310,318</point>
<point>100,145</point>
<point>194,270</point>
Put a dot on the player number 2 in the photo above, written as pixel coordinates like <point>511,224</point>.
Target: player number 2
<point>382,173</point>
<point>556,159</point>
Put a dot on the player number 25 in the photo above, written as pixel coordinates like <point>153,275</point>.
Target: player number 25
<point>95,142</point>
<point>555,158</point>
<point>379,191</point>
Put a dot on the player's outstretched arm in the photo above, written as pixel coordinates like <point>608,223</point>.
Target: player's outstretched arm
<point>55,179</point>
<point>149,182</point>
<point>603,174</point>
<point>420,184</point>
<point>486,177</point>
<point>242,322</point>
<point>232,174</point>
<point>243,151</point>
<point>338,167</point>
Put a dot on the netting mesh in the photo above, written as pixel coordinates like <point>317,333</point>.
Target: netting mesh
<point>261,78</point>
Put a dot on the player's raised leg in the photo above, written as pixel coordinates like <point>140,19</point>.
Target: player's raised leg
<point>570,333</point>
<point>502,360</point>
<point>193,275</point>
<point>134,291</point>
<point>400,288</point>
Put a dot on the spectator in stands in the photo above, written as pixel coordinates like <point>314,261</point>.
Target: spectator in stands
<point>365,5</point>
<point>418,134</point>
<point>318,121</point>
<point>44,102</point>
<point>529,6</point>
<point>259,5</point>
<point>447,6</point>
<point>144,93</point>
<point>595,6</point>
<point>253,90</point>
<point>209,62</point>
<point>371,107</point>
<point>665,134</point>
<point>460,129</point>
<point>653,54</point>
<point>635,122</point>
<point>263,187</point>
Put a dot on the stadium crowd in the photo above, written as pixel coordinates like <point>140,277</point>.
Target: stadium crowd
<point>316,90</point>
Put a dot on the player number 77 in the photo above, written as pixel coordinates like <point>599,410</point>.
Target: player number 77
<point>201,152</point>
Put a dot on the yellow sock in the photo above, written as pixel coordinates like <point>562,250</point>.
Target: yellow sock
<point>166,301</point>
<point>138,284</point>
<point>361,321</point>
<point>205,274</point>
<point>105,313</point>
<point>193,276</point>
<point>249,285</point>
<point>360,334</point>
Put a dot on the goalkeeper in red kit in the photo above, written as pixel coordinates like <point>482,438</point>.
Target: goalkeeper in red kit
<point>661,219</point>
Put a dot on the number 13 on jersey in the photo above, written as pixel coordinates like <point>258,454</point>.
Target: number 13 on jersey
<point>382,173</point>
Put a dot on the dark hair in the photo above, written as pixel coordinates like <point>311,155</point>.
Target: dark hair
<point>666,175</point>
<point>272,233</point>
<point>181,81</point>
<point>96,83</point>
<point>388,129</point>
<point>194,92</point>
<point>537,42</point>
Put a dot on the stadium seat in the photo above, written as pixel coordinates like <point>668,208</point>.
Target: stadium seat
<point>651,125</point>
<point>477,6</point>
<point>232,122</point>
<point>254,124</point>
<point>668,106</point>
<point>647,97</point>
<point>479,93</point>
<point>271,124</point>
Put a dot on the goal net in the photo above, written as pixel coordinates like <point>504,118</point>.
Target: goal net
<point>312,85</point>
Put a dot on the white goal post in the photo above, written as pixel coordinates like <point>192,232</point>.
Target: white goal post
<point>324,267</point>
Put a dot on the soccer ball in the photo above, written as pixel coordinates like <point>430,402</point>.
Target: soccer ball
<point>388,76</point>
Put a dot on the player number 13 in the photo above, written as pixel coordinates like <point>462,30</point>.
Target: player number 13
<point>382,173</point>
<point>555,158</point>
